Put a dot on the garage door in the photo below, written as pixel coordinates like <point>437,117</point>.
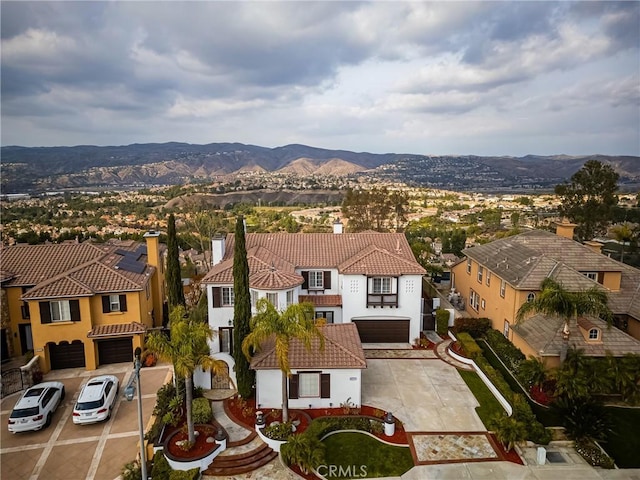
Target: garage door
<point>66,355</point>
<point>383,331</point>
<point>118,350</point>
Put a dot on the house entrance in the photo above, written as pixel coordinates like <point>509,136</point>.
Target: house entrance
<point>220,382</point>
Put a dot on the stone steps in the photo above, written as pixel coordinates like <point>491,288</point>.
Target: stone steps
<point>241,463</point>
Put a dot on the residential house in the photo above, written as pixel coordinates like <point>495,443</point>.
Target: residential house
<point>495,279</point>
<point>80,304</point>
<point>320,378</point>
<point>369,279</point>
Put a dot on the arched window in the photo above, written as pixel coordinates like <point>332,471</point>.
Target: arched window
<point>594,334</point>
<point>531,297</point>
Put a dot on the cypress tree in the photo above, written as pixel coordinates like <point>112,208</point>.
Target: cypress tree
<point>241,311</point>
<point>174,278</point>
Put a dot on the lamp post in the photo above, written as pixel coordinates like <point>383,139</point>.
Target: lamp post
<point>129,392</point>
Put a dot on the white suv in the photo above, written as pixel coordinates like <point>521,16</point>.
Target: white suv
<point>34,410</point>
<point>96,400</point>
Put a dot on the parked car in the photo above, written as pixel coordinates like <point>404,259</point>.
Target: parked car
<point>35,408</point>
<point>96,400</point>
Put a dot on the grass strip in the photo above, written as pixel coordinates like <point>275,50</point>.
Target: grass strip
<point>489,405</point>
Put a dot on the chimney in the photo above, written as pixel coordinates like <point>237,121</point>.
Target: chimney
<point>337,227</point>
<point>154,258</point>
<point>217,248</point>
<point>565,228</point>
<point>593,245</point>
<point>152,239</point>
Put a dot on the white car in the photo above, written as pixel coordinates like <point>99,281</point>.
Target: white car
<point>96,400</point>
<point>36,406</point>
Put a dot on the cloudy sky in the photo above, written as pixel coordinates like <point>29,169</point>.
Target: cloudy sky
<point>485,78</point>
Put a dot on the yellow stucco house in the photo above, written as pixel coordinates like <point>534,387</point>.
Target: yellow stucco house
<point>495,279</point>
<point>80,304</point>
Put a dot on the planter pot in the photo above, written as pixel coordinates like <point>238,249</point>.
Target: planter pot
<point>199,456</point>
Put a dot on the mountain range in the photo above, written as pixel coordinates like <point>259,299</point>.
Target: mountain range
<point>36,169</point>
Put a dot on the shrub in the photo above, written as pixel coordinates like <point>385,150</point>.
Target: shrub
<point>594,455</point>
<point>193,474</point>
<point>470,347</point>
<point>304,450</point>
<point>476,327</point>
<point>131,471</point>
<point>279,431</point>
<point>442,321</point>
<point>201,411</point>
<point>161,468</point>
<point>507,351</point>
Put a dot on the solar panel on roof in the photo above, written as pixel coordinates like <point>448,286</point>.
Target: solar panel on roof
<point>131,265</point>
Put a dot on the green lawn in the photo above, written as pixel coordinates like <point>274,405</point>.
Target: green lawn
<point>357,455</point>
<point>624,442</point>
<point>489,406</point>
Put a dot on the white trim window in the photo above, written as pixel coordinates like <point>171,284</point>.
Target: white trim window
<point>228,296</point>
<point>488,277</point>
<point>114,303</point>
<point>254,297</point>
<point>592,276</point>
<point>381,285</point>
<point>503,288</point>
<point>289,297</point>
<point>316,279</point>
<point>468,265</point>
<point>480,272</point>
<point>531,297</point>
<point>273,298</point>
<point>505,329</point>
<point>474,300</point>
<point>594,334</point>
<point>61,311</point>
<point>308,385</point>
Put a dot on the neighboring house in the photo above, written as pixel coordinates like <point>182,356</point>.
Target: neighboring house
<point>320,378</point>
<point>495,279</point>
<point>81,304</point>
<point>369,279</point>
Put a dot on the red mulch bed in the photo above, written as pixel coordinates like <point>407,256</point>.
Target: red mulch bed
<point>199,449</point>
<point>244,413</point>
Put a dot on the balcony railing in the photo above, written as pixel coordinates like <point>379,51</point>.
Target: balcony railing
<point>382,300</point>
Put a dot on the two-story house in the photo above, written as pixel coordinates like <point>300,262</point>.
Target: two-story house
<point>81,304</point>
<point>369,279</point>
<point>495,279</point>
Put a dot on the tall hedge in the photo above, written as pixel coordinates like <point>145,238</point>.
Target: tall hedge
<point>241,311</point>
<point>175,292</point>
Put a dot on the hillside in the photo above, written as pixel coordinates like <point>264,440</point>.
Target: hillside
<point>45,168</point>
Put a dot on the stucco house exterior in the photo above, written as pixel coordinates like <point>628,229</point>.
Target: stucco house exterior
<point>320,378</point>
<point>80,304</point>
<point>369,279</point>
<point>495,279</point>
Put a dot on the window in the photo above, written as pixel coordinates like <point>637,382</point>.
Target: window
<point>228,296</point>
<point>254,298</point>
<point>488,278</point>
<point>273,298</point>
<point>592,276</point>
<point>114,303</point>
<point>503,288</point>
<point>483,304</point>
<point>594,334</point>
<point>505,330</point>
<point>474,300</point>
<point>316,280</point>
<point>309,385</point>
<point>289,297</point>
<point>381,285</point>
<point>328,316</point>
<point>468,265</point>
<point>531,297</point>
<point>480,272</point>
<point>60,311</point>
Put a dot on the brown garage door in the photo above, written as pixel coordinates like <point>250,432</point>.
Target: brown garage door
<point>118,350</point>
<point>383,331</point>
<point>66,355</point>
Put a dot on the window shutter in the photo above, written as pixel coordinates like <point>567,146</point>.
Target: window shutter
<point>325,385</point>
<point>217,297</point>
<point>293,386</point>
<point>305,284</point>
<point>45,312</point>
<point>106,304</point>
<point>123,303</point>
<point>327,279</point>
<point>74,307</point>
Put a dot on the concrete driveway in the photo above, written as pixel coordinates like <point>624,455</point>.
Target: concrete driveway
<point>67,451</point>
<point>428,395</point>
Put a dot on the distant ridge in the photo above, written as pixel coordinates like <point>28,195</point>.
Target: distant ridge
<point>33,169</point>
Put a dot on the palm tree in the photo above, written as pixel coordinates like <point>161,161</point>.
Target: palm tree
<point>554,299</point>
<point>533,372</point>
<point>305,451</point>
<point>508,430</point>
<point>187,348</point>
<point>296,322</point>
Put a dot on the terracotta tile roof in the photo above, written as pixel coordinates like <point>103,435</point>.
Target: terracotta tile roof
<point>72,269</point>
<point>544,334</point>
<point>356,253</point>
<point>342,349</point>
<point>273,279</point>
<point>525,260</point>
<point>117,330</point>
<point>322,300</point>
